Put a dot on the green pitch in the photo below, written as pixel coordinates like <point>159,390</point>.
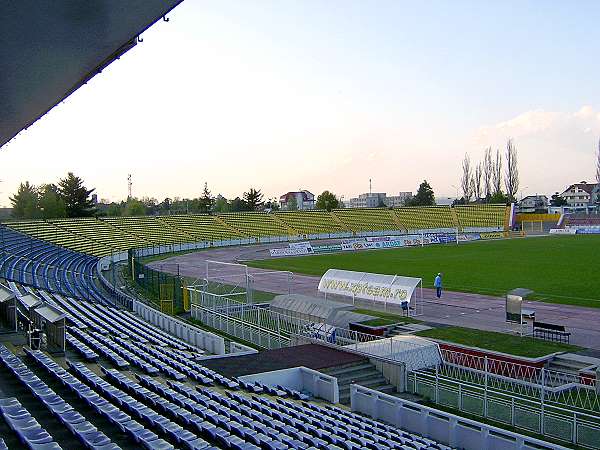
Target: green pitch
<point>560,269</point>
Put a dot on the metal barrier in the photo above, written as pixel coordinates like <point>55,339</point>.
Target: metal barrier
<point>256,323</point>
<point>538,400</point>
<point>441,426</point>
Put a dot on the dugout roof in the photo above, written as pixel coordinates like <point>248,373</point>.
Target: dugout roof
<point>50,49</point>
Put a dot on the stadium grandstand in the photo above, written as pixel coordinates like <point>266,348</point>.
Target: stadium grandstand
<point>312,222</point>
<point>81,367</point>
<point>108,235</point>
<point>368,219</point>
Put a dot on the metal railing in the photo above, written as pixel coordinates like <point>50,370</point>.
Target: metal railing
<point>269,329</point>
<point>558,405</point>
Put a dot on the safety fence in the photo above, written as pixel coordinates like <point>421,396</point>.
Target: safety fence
<point>268,329</point>
<point>554,404</point>
<point>164,287</point>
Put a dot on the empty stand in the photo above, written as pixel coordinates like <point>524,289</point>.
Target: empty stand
<point>255,224</point>
<point>151,229</point>
<point>202,227</point>
<point>40,264</point>
<point>367,219</point>
<point>311,222</point>
<point>481,216</point>
<point>426,217</point>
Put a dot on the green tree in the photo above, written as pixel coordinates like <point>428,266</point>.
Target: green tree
<point>114,210</point>
<point>557,200</point>
<point>237,205</point>
<point>76,197</point>
<point>499,197</point>
<point>206,201</point>
<point>423,197</point>
<point>327,200</point>
<point>51,203</point>
<point>25,202</point>
<point>292,203</point>
<point>221,204</point>
<point>134,207</point>
<point>253,199</point>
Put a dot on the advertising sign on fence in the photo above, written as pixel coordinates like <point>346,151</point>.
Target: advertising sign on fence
<point>292,251</point>
<point>563,231</point>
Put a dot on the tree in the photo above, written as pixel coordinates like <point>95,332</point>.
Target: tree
<point>466,179</point>
<point>488,168</point>
<point>327,201</point>
<point>497,173</point>
<point>76,197</point>
<point>114,210</point>
<point>51,203</point>
<point>511,176</point>
<point>206,201</point>
<point>424,196</point>
<point>134,207</point>
<point>292,203</point>
<point>221,204</point>
<point>237,205</point>
<point>557,200</point>
<point>598,164</point>
<point>499,197</point>
<point>476,182</point>
<point>253,199</point>
<point>25,202</point>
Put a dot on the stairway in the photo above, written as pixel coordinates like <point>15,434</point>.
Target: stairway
<point>363,373</point>
<point>569,365</point>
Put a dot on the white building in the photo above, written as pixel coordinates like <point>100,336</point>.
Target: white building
<point>533,203</point>
<point>377,199</point>
<point>581,196</point>
<point>304,200</point>
<point>368,200</point>
<point>397,200</point>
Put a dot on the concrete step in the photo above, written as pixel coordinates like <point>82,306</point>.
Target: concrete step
<point>349,369</point>
<point>358,375</point>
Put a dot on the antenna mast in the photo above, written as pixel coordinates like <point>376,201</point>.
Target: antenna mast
<point>129,184</point>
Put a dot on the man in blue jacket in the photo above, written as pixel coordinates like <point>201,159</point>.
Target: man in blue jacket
<point>438,285</point>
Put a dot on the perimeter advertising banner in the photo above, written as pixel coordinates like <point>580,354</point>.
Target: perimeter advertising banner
<point>294,249</point>
<point>369,286</point>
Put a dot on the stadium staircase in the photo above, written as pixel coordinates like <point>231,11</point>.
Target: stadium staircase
<point>231,227</point>
<point>291,231</point>
<point>362,373</point>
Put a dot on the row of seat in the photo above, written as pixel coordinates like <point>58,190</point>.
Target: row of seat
<point>121,401</point>
<point>38,263</point>
<point>103,236</point>
<point>28,429</point>
<point>134,430</point>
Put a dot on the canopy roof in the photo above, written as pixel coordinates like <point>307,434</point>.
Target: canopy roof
<point>50,49</point>
<point>369,286</point>
<point>29,301</point>
<point>50,313</point>
<point>5,294</point>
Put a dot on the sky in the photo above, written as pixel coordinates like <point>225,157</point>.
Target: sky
<point>283,95</point>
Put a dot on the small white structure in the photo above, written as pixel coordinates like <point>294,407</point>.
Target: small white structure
<point>415,352</point>
<point>385,289</point>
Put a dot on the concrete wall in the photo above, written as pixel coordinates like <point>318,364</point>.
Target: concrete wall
<point>302,379</point>
<point>443,427</point>
<point>192,335</point>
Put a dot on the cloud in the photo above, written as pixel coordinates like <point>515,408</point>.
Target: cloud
<point>540,124</point>
<point>555,148</point>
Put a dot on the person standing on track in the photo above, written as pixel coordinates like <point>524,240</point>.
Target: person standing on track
<point>437,283</point>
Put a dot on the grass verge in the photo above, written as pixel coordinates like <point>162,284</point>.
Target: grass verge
<point>500,342</point>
